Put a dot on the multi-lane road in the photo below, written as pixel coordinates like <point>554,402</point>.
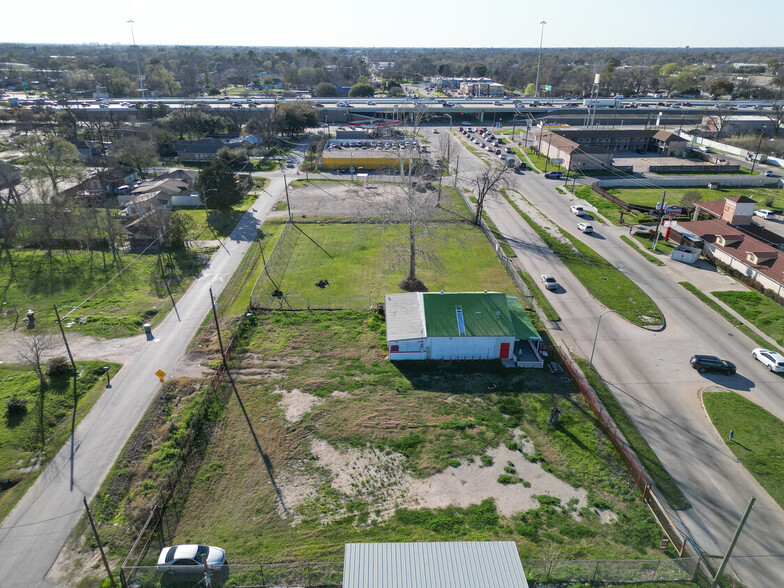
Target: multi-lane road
<point>649,373</point>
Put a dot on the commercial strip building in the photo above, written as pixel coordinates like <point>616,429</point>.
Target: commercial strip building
<point>460,326</point>
<point>595,149</point>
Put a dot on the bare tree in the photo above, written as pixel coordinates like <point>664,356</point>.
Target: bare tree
<point>491,179</point>
<point>33,350</point>
<point>447,151</point>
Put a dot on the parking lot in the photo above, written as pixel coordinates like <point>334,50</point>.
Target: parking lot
<point>641,162</point>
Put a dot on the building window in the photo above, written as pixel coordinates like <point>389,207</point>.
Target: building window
<point>394,348</point>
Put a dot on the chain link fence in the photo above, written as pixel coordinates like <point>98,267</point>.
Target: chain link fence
<point>611,571</point>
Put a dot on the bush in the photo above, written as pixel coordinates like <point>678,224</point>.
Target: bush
<point>506,479</point>
<point>59,366</point>
<point>486,460</point>
<point>16,405</point>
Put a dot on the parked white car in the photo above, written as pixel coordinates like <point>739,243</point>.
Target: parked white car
<point>577,210</point>
<point>184,564</point>
<point>764,213</point>
<point>773,360</point>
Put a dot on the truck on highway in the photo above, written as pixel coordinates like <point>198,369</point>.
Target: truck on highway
<point>602,102</point>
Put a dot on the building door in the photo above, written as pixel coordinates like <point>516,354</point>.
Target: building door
<point>504,350</point>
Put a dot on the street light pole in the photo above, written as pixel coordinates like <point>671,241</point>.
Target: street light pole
<point>539,64</point>
<point>138,67</point>
<point>596,336</point>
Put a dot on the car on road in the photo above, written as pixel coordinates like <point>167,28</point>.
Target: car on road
<point>343,104</point>
<point>371,103</point>
<point>764,213</point>
<point>343,170</point>
<point>183,565</point>
<point>772,360</point>
<point>585,227</point>
<point>435,131</point>
<point>711,363</point>
<point>549,282</point>
<point>553,175</point>
<point>769,173</point>
<point>289,163</point>
<point>577,210</point>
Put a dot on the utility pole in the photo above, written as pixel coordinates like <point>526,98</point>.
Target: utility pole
<point>735,537</point>
<point>62,332</point>
<point>658,222</point>
<point>759,144</point>
<point>138,67</point>
<point>539,64</point>
<point>98,541</point>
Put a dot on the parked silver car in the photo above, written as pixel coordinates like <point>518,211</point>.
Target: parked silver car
<point>184,565</point>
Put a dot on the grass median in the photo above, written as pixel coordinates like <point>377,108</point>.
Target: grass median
<point>602,280</point>
<point>757,441</point>
<point>758,309</point>
<point>536,292</point>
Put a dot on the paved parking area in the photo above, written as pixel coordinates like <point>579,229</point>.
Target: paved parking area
<point>640,162</point>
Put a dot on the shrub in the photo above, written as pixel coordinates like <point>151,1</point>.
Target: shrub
<point>59,366</point>
<point>487,461</point>
<point>512,445</point>
<point>454,463</point>
<point>16,405</point>
<point>510,469</point>
<point>506,479</point>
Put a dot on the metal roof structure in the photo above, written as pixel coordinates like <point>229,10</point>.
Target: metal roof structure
<point>463,564</point>
<point>484,314</point>
<point>456,314</point>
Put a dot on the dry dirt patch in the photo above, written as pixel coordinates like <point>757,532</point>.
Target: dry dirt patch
<point>297,404</point>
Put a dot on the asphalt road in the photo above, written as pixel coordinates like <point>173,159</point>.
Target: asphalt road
<point>649,374</point>
<point>33,534</point>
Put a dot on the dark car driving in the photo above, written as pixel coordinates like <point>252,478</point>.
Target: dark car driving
<point>711,363</point>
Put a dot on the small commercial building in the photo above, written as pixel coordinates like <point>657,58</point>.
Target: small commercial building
<point>595,149</point>
<point>459,564</point>
<point>736,125</point>
<point>460,326</point>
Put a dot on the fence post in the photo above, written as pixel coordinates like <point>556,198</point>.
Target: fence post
<point>261,570</point>
<point>595,572</point>
<point>656,569</point>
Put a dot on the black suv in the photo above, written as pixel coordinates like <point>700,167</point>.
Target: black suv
<point>711,363</point>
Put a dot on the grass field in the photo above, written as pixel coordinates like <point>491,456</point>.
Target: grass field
<point>608,285</point>
<point>758,439</point>
<point>20,434</point>
<point>120,306</point>
<point>416,419</point>
<point>758,309</point>
<point>220,221</point>
<point>765,197</point>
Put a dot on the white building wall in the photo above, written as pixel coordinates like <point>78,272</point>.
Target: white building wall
<point>749,271</point>
<point>407,349</point>
<point>467,347</point>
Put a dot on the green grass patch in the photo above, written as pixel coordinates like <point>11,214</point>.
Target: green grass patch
<point>662,247</point>
<point>758,439</point>
<point>433,414</point>
<point>765,197</point>
<point>612,212</point>
<point>758,309</point>
<point>222,222</point>
<point>729,317</point>
<point>20,433</point>
<point>542,162</point>
<point>607,284</point>
<point>536,292</point>
<point>129,289</point>
<point>505,247</point>
<point>639,445</point>
<point>645,254</point>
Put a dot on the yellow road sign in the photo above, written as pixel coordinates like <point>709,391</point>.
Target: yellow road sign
<point>160,374</point>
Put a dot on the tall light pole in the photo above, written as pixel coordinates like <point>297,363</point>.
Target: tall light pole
<point>539,65</point>
<point>596,336</point>
<point>138,67</point>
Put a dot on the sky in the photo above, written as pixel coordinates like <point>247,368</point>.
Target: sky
<point>400,23</point>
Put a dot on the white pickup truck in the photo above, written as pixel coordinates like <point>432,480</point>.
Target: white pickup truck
<point>577,210</point>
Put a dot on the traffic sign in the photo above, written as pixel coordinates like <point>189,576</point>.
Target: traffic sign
<point>160,374</point>
<point>673,210</point>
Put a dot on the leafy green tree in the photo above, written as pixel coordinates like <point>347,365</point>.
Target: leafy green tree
<point>180,226</point>
<point>325,90</point>
<point>292,118</point>
<point>530,90</point>
<point>361,91</point>
<point>218,185</point>
<point>669,69</point>
<point>720,87</point>
<point>136,153</point>
<point>50,158</point>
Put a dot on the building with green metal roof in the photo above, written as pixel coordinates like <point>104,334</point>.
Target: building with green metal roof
<point>460,326</point>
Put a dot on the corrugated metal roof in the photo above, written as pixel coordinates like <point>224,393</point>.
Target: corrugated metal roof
<point>404,316</point>
<point>463,564</point>
<point>523,327</point>
<point>484,314</point>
